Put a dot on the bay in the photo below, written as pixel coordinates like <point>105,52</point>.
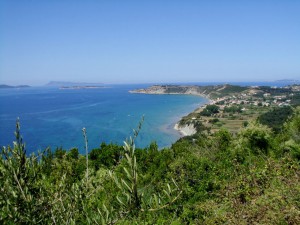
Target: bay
<point>52,117</point>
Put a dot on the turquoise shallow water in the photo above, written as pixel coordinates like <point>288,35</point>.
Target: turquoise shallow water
<point>54,117</point>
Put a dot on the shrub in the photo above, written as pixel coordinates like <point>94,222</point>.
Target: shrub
<point>276,117</point>
<point>255,138</point>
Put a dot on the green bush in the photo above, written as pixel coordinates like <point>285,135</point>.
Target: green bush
<point>248,178</point>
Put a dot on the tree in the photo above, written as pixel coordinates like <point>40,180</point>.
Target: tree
<point>276,117</point>
<point>135,199</point>
<point>22,200</point>
<point>255,138</point>
<point>210,110</point>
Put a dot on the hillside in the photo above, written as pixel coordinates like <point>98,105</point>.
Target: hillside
<point>207,91</point>
<point>216,92</point>
<point>234,105</point>
<point>249,178</point>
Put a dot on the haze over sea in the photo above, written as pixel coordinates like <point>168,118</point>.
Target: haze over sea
<point>55,117</point>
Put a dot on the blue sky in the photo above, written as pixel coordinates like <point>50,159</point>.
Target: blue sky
<point>148,41</point>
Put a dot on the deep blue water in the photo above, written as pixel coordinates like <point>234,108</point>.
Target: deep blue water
<point>54,117</point>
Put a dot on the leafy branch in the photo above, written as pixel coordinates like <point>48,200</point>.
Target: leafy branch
<point>134,198</point>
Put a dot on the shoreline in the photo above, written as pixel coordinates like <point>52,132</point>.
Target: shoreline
<point>189,129</point>
<point>214,94</point>
<point>186,130</point>
<point>246,97</point>
<point>161,93</point>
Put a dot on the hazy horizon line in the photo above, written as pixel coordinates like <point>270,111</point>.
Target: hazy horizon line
<point>149,82</point>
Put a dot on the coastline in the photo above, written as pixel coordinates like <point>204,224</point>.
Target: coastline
<point>189,129</point>
<point>186,130</point>
<point>163,93</point>
<point>230,100</point>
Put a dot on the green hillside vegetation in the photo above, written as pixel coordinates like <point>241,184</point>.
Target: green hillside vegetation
<point>209,110</point>
<point>295,100</point>
<point>276,117</point>
<point>226,90</point>
<point>233,118</point>
<point>208,178</point>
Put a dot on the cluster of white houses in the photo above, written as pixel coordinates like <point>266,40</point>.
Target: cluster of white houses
<point>249,98</point>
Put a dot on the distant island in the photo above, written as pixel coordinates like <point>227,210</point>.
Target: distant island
<point>4,86</point>
<point>82,87</point>
<point>74,85</point>
<point>70,84</point>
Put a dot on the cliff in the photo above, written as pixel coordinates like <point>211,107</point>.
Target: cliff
<point>186,129</point>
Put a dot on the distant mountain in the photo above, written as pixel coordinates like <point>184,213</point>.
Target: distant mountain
<point>2,86</point>
<point>68,84</point>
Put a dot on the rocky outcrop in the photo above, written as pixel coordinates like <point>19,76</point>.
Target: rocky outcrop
<point>185,130</point>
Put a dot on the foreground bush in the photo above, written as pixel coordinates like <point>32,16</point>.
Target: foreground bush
<point>249,178</point>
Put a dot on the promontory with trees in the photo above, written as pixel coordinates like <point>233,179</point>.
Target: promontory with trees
<point>241,166</point>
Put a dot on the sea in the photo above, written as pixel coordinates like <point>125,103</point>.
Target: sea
<point>54,117</point>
